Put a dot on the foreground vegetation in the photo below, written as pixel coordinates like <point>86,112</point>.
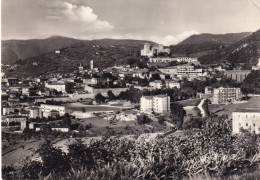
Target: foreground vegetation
<point>206,152</point>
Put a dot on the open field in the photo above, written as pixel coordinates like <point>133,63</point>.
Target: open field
<point>19,153</point>
<point>221,109</point>
<point>92,108</point>
<point>189,102</point>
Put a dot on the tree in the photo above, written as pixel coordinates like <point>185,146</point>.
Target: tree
<point>100,98</point>
<point>31,170</point>
<point>194,122</point>
<point>81,128</point>
<point>83,110</point>
<point>143,119</point>
<point>110,95</point>
<point>54,160</point>
<point>178,110</point>
<point>66,121</point>
<point>161,120</point>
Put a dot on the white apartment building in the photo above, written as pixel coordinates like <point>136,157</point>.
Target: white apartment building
<point>146,104</point>
<point>148,51</point>
<point>188,70</point>
<point>169,83</point>
<point>224,95</point>
<point>248,119</point>
<point>35,112</point>
<point>59,86</point>
<point>47,108</point>
<point>163,60</point>
<point>187,59</point>
<point>158,104</point>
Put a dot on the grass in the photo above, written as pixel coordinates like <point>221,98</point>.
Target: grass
<point>92,108</point>
<point>189,102</point>
<point>18,153</point>
<point>221,109</point>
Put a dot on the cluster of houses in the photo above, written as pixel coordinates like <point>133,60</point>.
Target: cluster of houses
<point>24,99</point>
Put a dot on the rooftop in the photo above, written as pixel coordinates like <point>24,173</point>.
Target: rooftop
<point>162,95</point>
<point>246,110</point>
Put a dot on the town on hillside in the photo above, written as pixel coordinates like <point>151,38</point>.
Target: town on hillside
<point>163,97</point>
<point>130,90</point>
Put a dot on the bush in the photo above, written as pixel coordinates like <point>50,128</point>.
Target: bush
<point>143,119</point>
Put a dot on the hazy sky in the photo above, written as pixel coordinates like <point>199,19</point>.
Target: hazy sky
<point>165,21</point>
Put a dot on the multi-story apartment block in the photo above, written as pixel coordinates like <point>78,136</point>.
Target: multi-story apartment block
<point>188,70</point>
<point>146,104</point>
<point>248,119</point>
<point>224,95</point>
<point>148,51</point>
<point>187,59</point>
<point>163,60</point>
<point>35,112</point>
<point>237,75</point>
<point>158,104</point>
<point>47,109</point>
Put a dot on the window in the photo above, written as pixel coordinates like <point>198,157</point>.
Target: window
<point>253,124</point>
<point>246,124</point>
<point>239,124</point>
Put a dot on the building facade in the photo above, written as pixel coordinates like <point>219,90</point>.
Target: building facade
<point>188,70</point>
<point>226,95</point>
<point>163,60</point>
<point>47,109</point>
<point>35,112</point>
<point>248,119</point>
<point>171,84</point>
<point>237,75</point>
<point>187,59</point>
<point>57,86</point>
<point>157,84</point>
<point>148,51</point>
<point>158,104</point>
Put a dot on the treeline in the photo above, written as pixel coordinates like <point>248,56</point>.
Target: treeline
<point>188,89</point>
<point>211,151</point>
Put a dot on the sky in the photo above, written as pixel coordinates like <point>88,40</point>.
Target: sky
<point>162,21</point>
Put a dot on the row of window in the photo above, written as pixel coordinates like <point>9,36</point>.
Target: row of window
<point>239,124</point>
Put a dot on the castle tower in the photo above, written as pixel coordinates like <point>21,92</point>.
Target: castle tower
<point>80,68</point>
<point>91,64</point>
<point>146,47</point>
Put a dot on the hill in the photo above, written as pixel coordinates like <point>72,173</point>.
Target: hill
<point>245,51</point>
<point>104,52</point>
<point>13,50</point>
<point>226,39</point>
<point>204,44</point>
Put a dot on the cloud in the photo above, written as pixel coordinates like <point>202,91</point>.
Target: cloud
<point>170,39</point>
<point>81,15</point>
<point>165,40</point>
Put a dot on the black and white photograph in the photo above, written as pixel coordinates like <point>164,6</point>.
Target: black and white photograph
<point>130,89</point>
